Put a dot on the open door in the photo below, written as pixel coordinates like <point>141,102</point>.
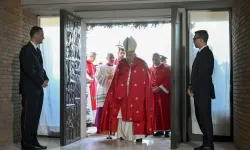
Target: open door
<point>177,83</point>
<point>70,77</point>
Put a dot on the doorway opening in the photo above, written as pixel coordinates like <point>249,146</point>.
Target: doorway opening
<point>50,117</point>
<point>103,39</point>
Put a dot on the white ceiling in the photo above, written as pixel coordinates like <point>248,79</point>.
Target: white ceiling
<point>143,15</point>
<point>99,2</point>
<point>52,7</point>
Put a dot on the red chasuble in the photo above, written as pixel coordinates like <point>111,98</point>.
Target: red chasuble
<point>91,72</point>
<point>161,75</point>
<point>135,101</point>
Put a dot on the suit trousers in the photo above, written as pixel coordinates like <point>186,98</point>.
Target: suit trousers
<point>203,112</point>
<point>32,106</point>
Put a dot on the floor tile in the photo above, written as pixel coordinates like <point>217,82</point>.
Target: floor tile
<point>99,142</point>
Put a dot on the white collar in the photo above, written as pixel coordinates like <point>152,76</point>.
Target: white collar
<point>157,66</point>
<point>202,48</point>
<point>35,45</point>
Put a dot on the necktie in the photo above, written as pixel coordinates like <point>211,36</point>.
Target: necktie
<point>39,55</point>
<point>198,53</point>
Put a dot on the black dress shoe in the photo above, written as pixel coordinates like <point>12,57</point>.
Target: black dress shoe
<point>27,146</point>
<point>204,148</point>
<point>40,146</point>
<point>139,140</point>
<point>207,148</point>
<point>198,148</point>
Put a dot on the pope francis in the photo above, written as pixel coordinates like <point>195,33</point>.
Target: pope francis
<point>129,107</point>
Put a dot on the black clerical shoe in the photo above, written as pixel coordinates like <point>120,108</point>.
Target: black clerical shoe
<point>27,146</point>
<point>166,135</point>
<point>159,133</point>
<point>139,140</point>
<point>121,138</point>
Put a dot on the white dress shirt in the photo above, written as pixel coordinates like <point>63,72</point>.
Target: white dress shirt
<point>35,45</point>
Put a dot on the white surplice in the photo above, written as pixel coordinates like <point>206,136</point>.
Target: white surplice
<point>103,83</point>
<point>89,116</point>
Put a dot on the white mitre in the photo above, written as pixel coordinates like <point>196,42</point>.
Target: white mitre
<point>129,44</point>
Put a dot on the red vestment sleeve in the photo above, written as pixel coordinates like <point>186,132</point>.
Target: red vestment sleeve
<point>149,119</point>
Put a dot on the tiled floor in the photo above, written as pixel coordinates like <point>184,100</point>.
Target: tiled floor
<point>99,142</point>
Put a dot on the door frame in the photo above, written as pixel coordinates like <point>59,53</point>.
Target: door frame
<point>145,16</point>
<point>185,57</point>
<point>175,101</point>
<point>198,137</point>
<point>183,60</point>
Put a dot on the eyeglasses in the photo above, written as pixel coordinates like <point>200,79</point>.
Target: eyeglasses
<point>196,38</point>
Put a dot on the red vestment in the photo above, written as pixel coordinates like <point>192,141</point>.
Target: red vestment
<point>161,76</point>
<point>136,106</point>
<point>91,72</point>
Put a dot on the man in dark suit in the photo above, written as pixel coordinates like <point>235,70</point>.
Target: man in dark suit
<point>202,88</point>
<point>33,79</point>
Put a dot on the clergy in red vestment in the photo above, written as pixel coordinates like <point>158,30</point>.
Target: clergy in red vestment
<point>91,73</point>
<point>121,54</point>
<point>160,80</point>
<point>129,107</point>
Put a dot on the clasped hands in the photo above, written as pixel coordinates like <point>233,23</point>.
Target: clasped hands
<point>45,83</point>
<point>156,89</point>
<point>190,91</point>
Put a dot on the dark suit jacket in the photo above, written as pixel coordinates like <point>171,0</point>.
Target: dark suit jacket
<point>32,73</point>
<point>202,70</point>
